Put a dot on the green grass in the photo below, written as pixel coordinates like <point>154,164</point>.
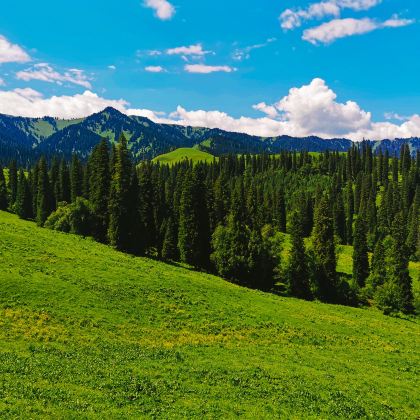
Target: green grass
<point>87,332</point>
<point>181,154</point>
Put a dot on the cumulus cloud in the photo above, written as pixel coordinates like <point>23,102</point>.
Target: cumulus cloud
<point>12,53</point>
<point>163,9</point>
<point>154,69</point>
<point>192,50</point>
<point>341,28</point>
<point>270,110</point>
<point>112,67</point>
<point>204,69</point>
<point>31,103</point>
<point>311,109</point>
<point>45,73</point>
<point>293,18</point>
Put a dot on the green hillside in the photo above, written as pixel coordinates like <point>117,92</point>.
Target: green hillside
<point>87,332</point>
<point>184,153</point>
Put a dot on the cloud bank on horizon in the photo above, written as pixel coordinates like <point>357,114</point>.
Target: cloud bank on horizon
<point>311,109</point>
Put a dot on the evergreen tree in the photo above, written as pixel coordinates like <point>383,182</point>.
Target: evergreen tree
<point>360,253</point>
<point>12,183</point>
<point>119,203</point>
<point>76,178</point>
<point>169,248</point>
<point>194,234</point>
<point>324,249</point>
<point>63,193</point>
<point>297,271</point>
<point>99,186</point>
<point>44,198</point>
<point>23,205</point>
<point>3,190</point>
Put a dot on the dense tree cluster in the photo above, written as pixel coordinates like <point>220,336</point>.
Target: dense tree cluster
<point>230,216</point>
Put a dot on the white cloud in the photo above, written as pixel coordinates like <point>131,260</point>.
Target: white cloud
<point>270,110</point>
<point>341,28</point>
<point>2,82</point>
<point>311,109</point>
<point>163,9</point>
<point>192,50</point>
<point>112,67</point>
<point>45,73</point>
<point>204,69</point>
<point>293,18</point>
<point>154,69</point>
<point>31,103</point>
<point>245,53</point>
<point>12,53</point>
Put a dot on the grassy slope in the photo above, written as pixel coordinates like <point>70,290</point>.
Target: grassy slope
<point>184,153</point>
<point>86,331</point>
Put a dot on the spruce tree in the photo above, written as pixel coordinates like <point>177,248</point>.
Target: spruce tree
<point>297,271</point>
<point>76,178</point>
<point>169,247</point>
<point>324,249</point>
<point>63,193</point>
<point>194,234</point>
<point>23,205</point>
<point>3,190</point>
<point>360,252</point>
<point>119,203</point>
<point>12,183</point>
<point>99,187</point>
<point>44,198</point>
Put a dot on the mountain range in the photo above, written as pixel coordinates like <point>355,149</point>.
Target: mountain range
<point>25,139</point>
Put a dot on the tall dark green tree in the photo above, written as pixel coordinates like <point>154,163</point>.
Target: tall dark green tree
<point>360,252</point>
<point>170,241</point>
<point>3,190</point>
<point>13,179</point>
<point>297,271</point>
<point>324,249</point>
<point>44,196</point>
<point>194,234</point>
<point>119,229</point>
<point>23,204</point>
<point>99,187</point>
<point>76,178</point>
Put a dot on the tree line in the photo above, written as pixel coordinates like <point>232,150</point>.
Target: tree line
<point>230,216</point>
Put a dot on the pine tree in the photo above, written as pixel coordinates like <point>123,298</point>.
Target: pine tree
<point>169,248</point>
<point>378,273</point>
<point>119,203</point>
<point>44,198</point>
<point>99,187</point>
<point>260,262</point>
<point>324,248</point>
<point>76,178</point>
<point>3,190</point>
<point>360,253</point>
<point>12,183</point>
<point>63,193</point>
<point>193,234</point>
<point>23,205</point>
<point>297,271</point>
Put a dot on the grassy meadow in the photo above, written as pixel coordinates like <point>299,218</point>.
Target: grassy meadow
<point>184,153</point>
<point>88,332</point>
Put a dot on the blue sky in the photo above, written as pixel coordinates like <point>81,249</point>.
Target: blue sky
<point>220,56</point>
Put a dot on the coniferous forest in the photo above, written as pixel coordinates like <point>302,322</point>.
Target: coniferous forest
<point>233,216</point>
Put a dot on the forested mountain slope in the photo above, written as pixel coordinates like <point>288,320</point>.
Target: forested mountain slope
<point>26,139</point>
<point>90,332</point>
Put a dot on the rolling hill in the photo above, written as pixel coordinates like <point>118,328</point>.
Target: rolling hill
<point>28,138</point>
<point>89,332</point>
<point>184,153</point>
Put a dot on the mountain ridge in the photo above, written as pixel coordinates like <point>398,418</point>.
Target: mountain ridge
<point>25,139</point>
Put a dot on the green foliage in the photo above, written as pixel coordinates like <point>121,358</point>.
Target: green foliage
<point>23,204</point>
<point>3,190</point>
<point>78,218</point>
<point>360,253</point>
<point>88,332</point>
